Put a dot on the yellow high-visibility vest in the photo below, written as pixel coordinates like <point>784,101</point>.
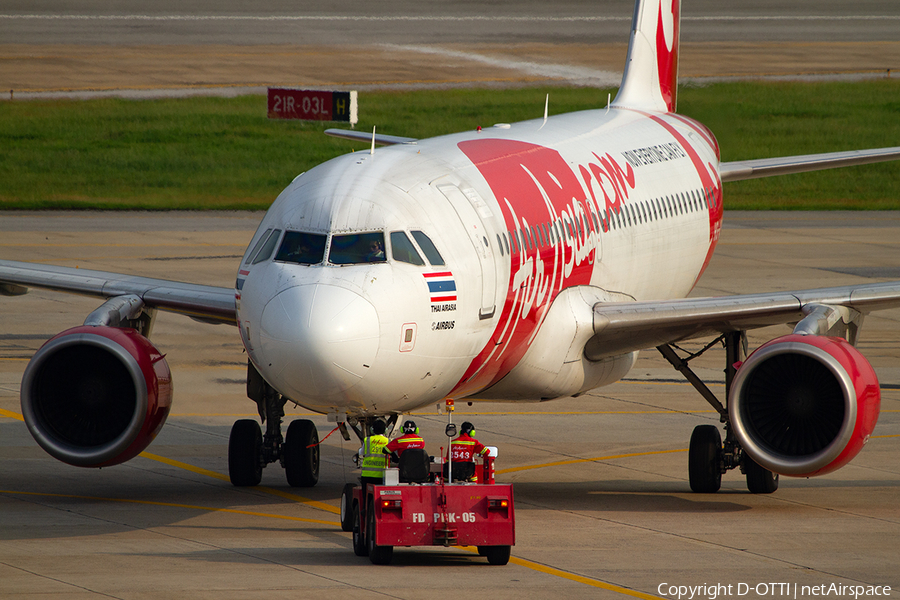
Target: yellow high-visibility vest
<point>374,460</point>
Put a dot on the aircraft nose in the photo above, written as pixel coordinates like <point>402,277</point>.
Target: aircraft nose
<point>319,338</point>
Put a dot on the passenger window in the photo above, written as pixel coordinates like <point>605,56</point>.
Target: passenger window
<point>402,249</point>
<point>427,246</point>
<point>302,248</point>
<point>268,247</point>
<point>357,248</point>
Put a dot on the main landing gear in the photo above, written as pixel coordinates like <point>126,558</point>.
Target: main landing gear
<point>249,450</point>
<point>708,456</point>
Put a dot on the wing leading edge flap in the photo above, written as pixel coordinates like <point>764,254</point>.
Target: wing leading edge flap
<point>204,302</point>
<point>627,326</point>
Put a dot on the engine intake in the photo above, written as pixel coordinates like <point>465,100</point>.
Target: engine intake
<point>96,396</point>
<point>804,405</point>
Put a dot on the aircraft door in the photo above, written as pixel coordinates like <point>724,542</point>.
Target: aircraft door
<point>473,211</point>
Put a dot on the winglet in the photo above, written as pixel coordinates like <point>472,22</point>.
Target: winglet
<point>650,81</point>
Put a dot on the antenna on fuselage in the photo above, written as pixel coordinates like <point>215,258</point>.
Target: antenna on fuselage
<point>546,106</point>
<point>372,151</point>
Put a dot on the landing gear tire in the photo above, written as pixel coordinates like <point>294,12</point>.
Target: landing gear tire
<point>301,454</point>
<point>759,479</point>
<point>359,543</point>
<point>379,555</point>
<point>245,453</point>
<point>347,507</point>
<point>704,459</point>
<point>496,555</point>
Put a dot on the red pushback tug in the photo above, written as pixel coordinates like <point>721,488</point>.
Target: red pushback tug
<point>427,509</point>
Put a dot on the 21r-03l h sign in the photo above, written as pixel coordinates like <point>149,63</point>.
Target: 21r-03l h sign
<point>312,105</point>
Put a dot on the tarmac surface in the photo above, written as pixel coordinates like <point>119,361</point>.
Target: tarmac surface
<point>604,508</point>
<point>51,48</point>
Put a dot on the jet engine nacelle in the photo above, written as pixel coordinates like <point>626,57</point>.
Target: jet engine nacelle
<point>96,396</point>
<point>804,405</point>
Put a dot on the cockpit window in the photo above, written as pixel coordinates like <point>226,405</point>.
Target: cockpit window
<point>302,248</point>
<point>268,247</point>
<point>258,245</point>
<point>427,246</point>
<point>403,250</point>
<point>357,248</point>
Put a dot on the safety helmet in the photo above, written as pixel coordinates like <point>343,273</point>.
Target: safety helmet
<point>467,429</point>
<point>378,427</point>
<point>410,427</point>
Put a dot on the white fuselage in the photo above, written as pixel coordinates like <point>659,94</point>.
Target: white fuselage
<point>628,203</point>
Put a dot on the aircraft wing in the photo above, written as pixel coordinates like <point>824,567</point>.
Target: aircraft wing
<point>202,302</point>
<point>769,167</point>
<point>361,136</point>
<point>622,327</point>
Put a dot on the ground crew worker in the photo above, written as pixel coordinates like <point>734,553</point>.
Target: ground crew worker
<point>374,460</point>
<point>463,451</point>
<point>409,439</point>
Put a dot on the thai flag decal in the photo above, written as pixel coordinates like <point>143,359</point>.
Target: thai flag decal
<point>441,286</point>
<point>239,284</point>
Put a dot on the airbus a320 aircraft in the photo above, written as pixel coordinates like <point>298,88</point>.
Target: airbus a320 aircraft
<point>527,261</point>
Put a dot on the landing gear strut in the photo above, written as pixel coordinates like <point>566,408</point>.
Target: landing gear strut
<point>708,457</point>
<point>350,510</point>
<point>361,426</point>
<point>249,451</point>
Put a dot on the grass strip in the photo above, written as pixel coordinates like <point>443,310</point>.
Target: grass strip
<point>223,153</point>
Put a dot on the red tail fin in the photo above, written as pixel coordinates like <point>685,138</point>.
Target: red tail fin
<point>650,81</point>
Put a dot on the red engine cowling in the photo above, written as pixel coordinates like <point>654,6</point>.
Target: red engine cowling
<point>804,405</point>
<point>96,396</point>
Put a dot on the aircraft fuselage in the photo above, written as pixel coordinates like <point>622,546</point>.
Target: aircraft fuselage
<point>516,215</point>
